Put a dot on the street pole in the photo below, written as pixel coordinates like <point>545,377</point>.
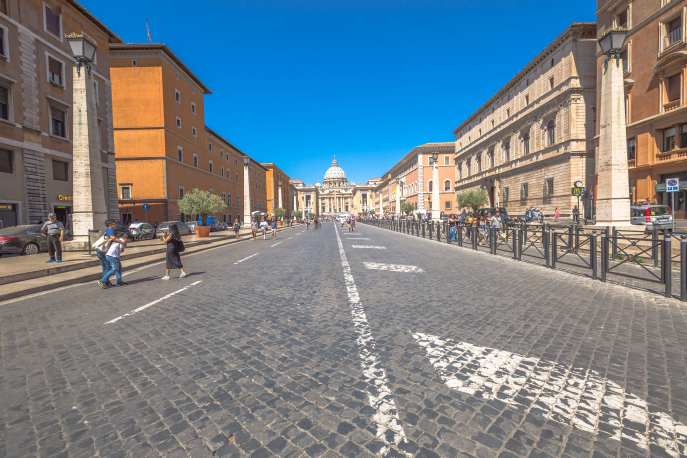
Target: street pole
<point>246,194</point>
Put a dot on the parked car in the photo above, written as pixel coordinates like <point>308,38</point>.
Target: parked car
<point>164,228</point>
<point>191,226</point>
<point>142,231</point>
<point>651,216</point>
<point>26,239</point>
<point>219,226</point>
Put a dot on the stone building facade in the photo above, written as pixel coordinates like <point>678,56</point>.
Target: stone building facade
<point>35,108</point>
<point>278,189</point>
<point>655,64</point>
<point>533,139</point>
<point>411,178</point>
<point>163,147</point>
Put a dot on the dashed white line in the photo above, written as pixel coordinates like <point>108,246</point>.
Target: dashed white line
<point>403,268</point>
<point>389,428</point>
<point>150,304</point>
<point>275,244</point>
<point>358,238</point>
<point>246,258</point>
<point>369,247</point>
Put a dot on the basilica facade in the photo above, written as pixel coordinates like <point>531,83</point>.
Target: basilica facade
<point>335,195</point>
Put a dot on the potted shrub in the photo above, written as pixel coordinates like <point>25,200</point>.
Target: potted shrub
<point>474,199</point>
<point>201,203</point>
<point>279,214</point>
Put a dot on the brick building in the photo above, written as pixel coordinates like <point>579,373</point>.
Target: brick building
<point>278,189</point>
<point>163,148</point>
<point>532,140</point>
<point>655,62</point>
<point>35,108</point>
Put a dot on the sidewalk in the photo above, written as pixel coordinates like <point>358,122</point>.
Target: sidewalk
<point>23,275</point>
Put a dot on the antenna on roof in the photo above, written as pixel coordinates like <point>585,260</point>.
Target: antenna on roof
<point>149,34</point>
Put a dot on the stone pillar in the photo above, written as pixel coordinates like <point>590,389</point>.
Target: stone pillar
<point>381,204</point>
<point>89,207</point>
<point>613,190</point>
<point>279,195</point>
<point>436,208</point>
<point>246,193</point>
<point>420,184</point>
<point>398,197</point>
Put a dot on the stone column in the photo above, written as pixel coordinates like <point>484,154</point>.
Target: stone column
<point>89,207</point>
<point>613,190</point>
<point>246,193</point>
<point>436,208</point>
<point>420,185</point>
<point>398,197</point>
<point>279,194</point>
<point>381,204</point>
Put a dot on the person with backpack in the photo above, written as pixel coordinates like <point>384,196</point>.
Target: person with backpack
<point>103,244</point>
<point>175,246</point>
<point>113,257</point>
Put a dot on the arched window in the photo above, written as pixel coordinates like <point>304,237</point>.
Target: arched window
<point>430,186</point>
<point>551,132</point>
<point>447,185</point>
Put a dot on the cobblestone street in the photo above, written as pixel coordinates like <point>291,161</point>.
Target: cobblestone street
<point>329,343</point>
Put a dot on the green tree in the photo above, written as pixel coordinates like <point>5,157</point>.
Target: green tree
<point>296,214</point>
<point>407,208</point>
<point>474,198</point>
<point>203,203</point>
<point>279,213</point>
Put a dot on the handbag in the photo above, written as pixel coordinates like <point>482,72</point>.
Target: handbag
<point>180,246</point>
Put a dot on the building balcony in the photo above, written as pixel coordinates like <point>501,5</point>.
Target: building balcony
<point>672,105</point>
<point>676,154</point>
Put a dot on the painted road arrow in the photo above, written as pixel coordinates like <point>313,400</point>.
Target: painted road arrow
<point>572,396</point>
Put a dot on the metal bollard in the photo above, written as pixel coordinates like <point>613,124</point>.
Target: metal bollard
<point>668,262</point>
<point>431,227</point>
<point>654,246</point>
<point>515,243</point>
<point>545,241</point>
<point>570,238</point>
<point>423,229</point>
<point>475,234</point>
<point>604,256</point>
<point>577,238</point>
<point>521,239</point>
<point>554,249</point>
<point>592,255</point>
<point>683,268</point>
<point>614,246</point>
<point>459,234</point>
<point>438,231</point>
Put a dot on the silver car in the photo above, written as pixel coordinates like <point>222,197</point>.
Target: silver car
<point>651,216</point>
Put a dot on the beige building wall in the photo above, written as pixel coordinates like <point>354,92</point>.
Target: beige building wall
<point>36,73</point>
<point>530,142</point>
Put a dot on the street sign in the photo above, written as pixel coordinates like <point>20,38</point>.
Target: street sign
<point>672,185</point>
<point>146,207</point>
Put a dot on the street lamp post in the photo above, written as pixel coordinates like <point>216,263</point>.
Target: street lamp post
<point>89,208</point>
<point>434,162</point>
<point>613,195</point>
<point>246,193</point>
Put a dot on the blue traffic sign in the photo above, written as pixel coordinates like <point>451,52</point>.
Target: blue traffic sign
<point>146,206</point>
<point>672,185</point>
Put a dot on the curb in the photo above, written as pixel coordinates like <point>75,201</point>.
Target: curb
<point>95,276</point>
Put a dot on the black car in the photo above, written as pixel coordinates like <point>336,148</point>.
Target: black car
<point>163,228</point>
<point>26,239</point>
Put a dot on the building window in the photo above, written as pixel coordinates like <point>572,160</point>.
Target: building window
<point>229,200</point>
<point>468,166</point>
<point>478,159</point>
<point>178,122</point>
<point>625,56</point>
<point>683,136</point>
<point>55,72</point>
<point>548,190</point>
<point>3,7</point>
<point>429,186</point>
<point>447,205</point>
<point>524,190</point>
<point>505,148</point>
<point>177,96</point>
<point>527,99</point>
<point>195,160</point>
<point>631,149</point>
<point>621,19</point>
<point>447,185</point>
<point>58,122</point>
<point>181,192</point>
<point>194,132</point>
<point>4,43</point>
<point>490,155</point>
<point>53,22</point>
<point>506,196</point>
<point>60,170</point>
<point>134,62</point>
<point>668,140</point>
<point>551,83</point>
<point>125,192</point>
<point>6,161</point>
<point>551,132</point>
<point>180,154</point>
<point>210,147</point>
<point>4,103</point>
<point>673,32</point>
<point>193,107</point>
<point>446,160</point>
<point>221,171</point>
<point>673,90</point>
<point>210,166</point>
<point>525,136</point>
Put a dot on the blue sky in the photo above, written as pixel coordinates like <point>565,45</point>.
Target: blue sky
<point>296,81</point>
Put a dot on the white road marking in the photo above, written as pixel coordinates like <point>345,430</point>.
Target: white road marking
<point>392,267</point>
<point>389,429</point>
<point>358,238</point>
<point>369,247</point>
<point>577,397</point>
<point>275,244</point>
<point>246,258</point>
<point>150,304</point>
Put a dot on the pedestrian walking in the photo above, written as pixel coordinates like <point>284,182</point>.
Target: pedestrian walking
<point>307,224</point>
<point>263,228</point>
<point>54,229</point>
<point>576,215</point>
<point>353,223</point>
<point>557,214</point>
<point>237,227</point>
<point>254,228</point>
<point>103,244</point>
<point>113,256</point>
<point>274,228</point>
<point>175,246</point>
